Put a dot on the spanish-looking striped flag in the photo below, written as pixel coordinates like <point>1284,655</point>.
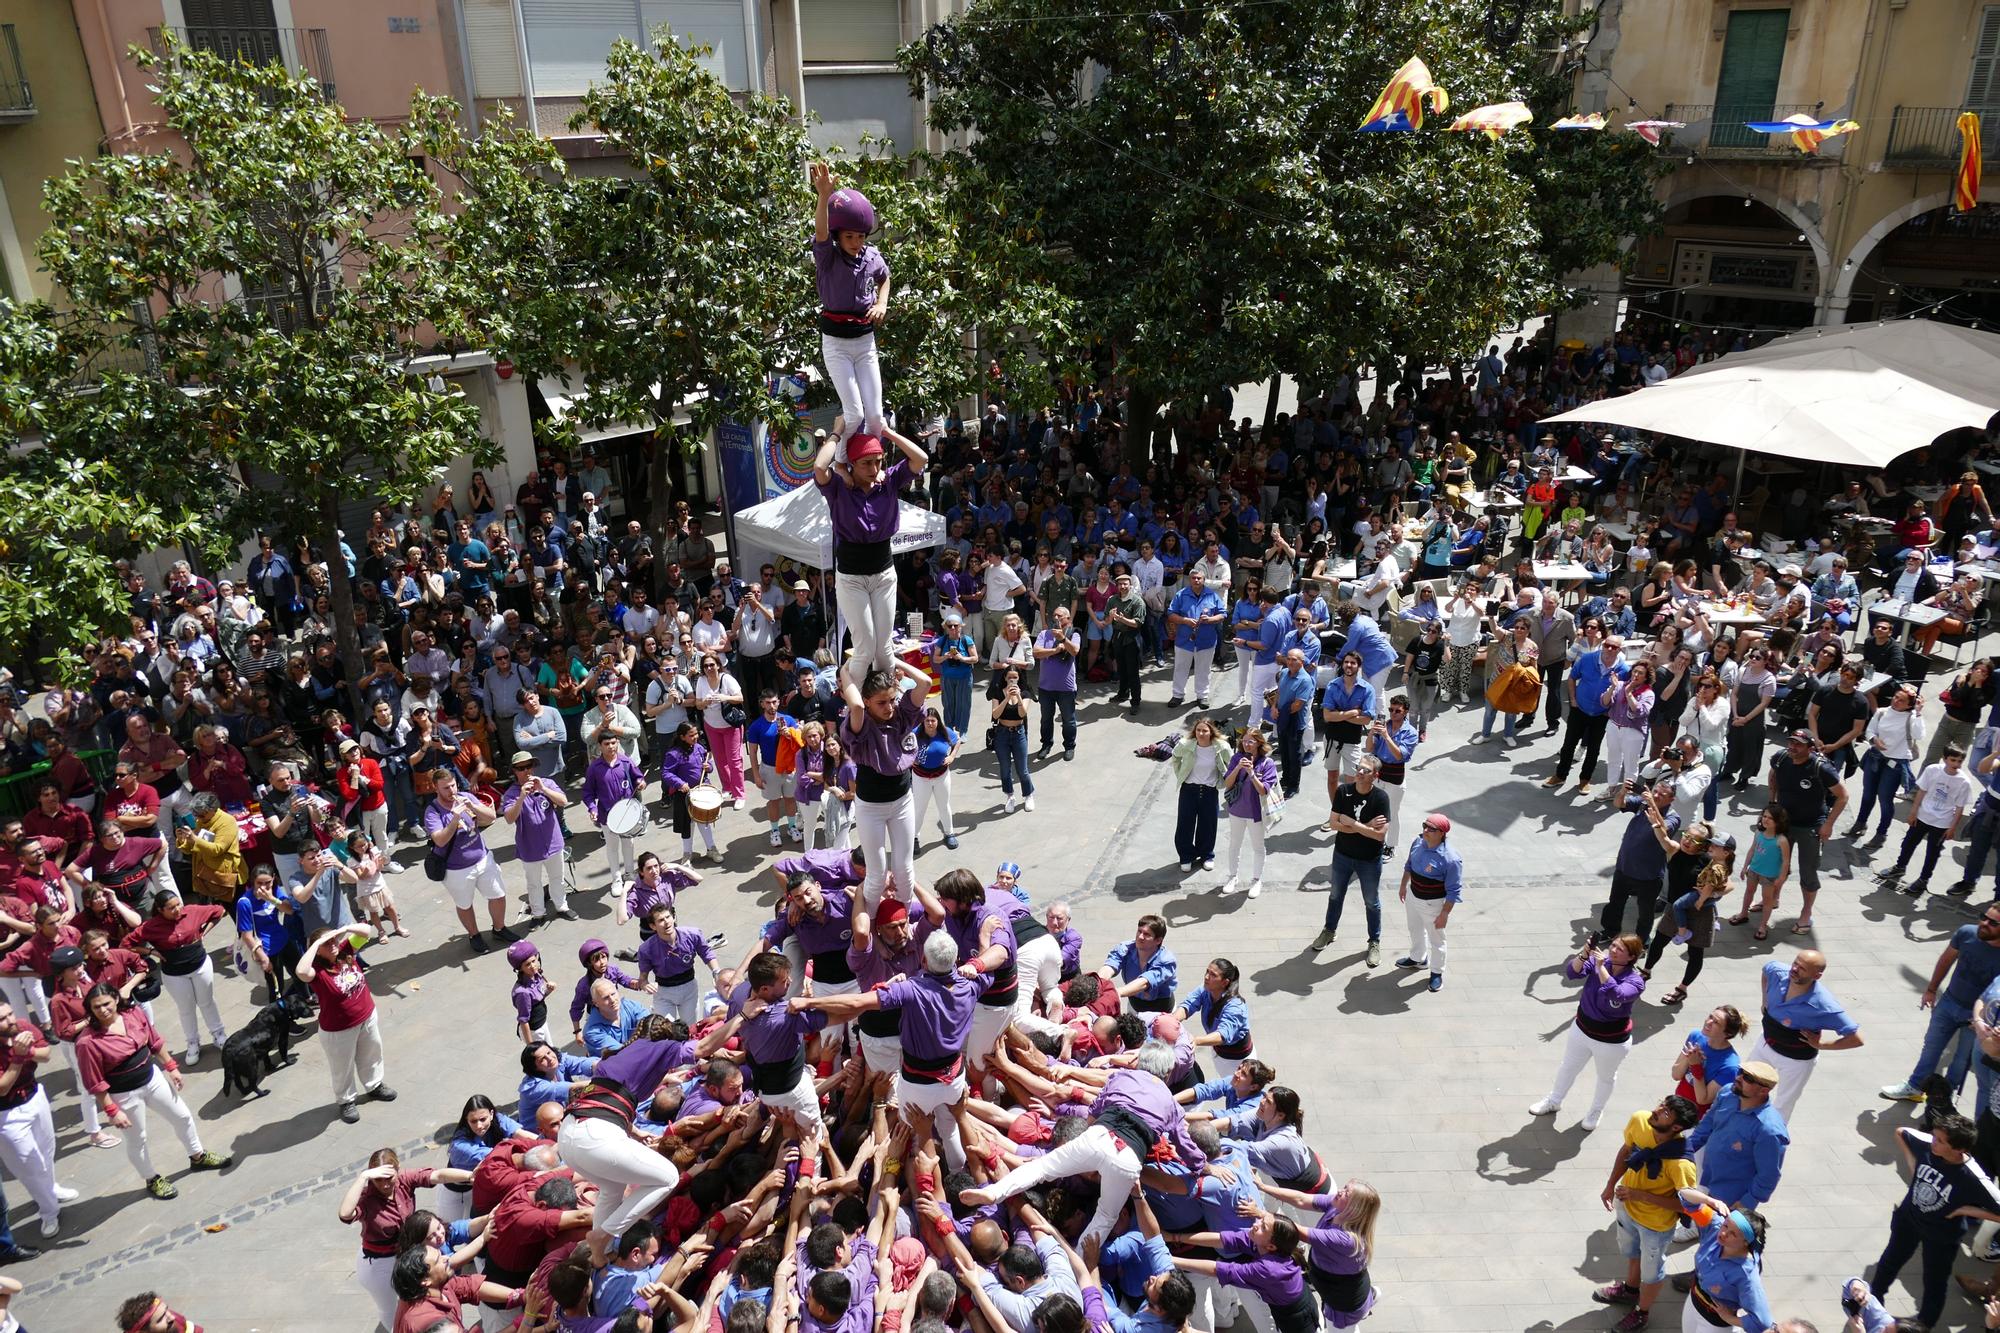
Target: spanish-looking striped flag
<point>1965,190</point>
<point>1401,105</point>
<point>1805,133</point>
<point>1495,120</point>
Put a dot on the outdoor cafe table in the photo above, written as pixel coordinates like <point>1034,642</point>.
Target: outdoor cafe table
<point>1907,614</point>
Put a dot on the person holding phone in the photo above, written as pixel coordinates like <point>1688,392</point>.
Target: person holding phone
<point>1602,1032</point>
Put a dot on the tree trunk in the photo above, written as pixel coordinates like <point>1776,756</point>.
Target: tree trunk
<point>1271,405</point>
<point>347,642</point>
<point>1142,412</point>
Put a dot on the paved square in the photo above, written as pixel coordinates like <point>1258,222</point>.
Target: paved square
<point>1491,1218</point>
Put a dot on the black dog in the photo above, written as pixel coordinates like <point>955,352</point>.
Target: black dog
<point>248,1054</point>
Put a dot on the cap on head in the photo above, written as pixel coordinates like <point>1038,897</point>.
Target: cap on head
<point>1799,737</point>
<point>522,759</point>
<point>65,958</point>
<point>1760,1070</point>
<point>1726,841</point>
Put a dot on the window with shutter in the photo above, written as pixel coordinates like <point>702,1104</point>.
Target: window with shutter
<point>569,39</point>
<point>1747,89</point>
<point>229,13</point>
<point>850,32</point>
<point>1982,92</point>
<point>716,24</point>
<point>490,39</point>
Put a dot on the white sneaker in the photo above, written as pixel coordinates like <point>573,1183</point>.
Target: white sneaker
<point>736,804</point>
<point>1545,1107</point>
<point>64,1194</point>
<point>777,838</point>
<point>50,1226</point>
<point>1256,887</point>
<point>192,1057</point>
<point>1481,738</point>
<point>1028,804</point>
<point>1187,867</point>
<point>1010,805</point>
<point>1227,885</point>
<point>1590,1120</point>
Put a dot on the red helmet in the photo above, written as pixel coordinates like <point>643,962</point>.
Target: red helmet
<point>849,210</point>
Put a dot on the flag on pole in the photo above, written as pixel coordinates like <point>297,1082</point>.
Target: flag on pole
<point>1592,121</point>
<point>1494,120</point>
<point>1649,130</point>
<point>1401,105</point>
<point>1806,133</point>
<point>1965,189</point>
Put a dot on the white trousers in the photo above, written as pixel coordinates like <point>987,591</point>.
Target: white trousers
<point>802,1101</point>
<point>868,605</point>
<point>936,1101</point>
<point>1200,659</point>
<point>195,991</point>
<point>1624,751</point>
<point>632,1180</point>
<point>1039,963</point>
<point>1426,939</point>
<point>26,995</point>
<point>707,840</point>
<point>157,1096</point>
<point>482,877</point>
<point>989,1021</point>
<point>855,368</point>
<point>1580,1050</point>
<point>890,824</point>
<point>882,1055</point>
<point>835,814</point>
<point>1793,1075</point>
<point>682,1001</point>
<point>1096,1151</point>
<point>375,823</point>
<point>1216,1303</point>
<point>545,882</point>
<point>452,1205</point>
<point>28,1150</point>
<point>1394,791</point>
<point>354,1059</point>
<point>374,1275</point>
<point>92,1124</point>
<point>621,859</point>
<point>1256,679</point>
<point>1238,826</point>
<point>927,790</point>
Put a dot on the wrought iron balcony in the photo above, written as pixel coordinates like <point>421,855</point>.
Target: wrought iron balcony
<point>1721,129</point>
<point>1928,135</point>
<point>17,99</point>
<point>300,50</point>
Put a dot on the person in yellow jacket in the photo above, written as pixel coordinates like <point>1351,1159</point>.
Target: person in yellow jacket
<point>212,844</point>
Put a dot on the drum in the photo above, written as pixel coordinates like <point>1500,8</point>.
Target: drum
<point>704,804</point>
<point>626,819</point>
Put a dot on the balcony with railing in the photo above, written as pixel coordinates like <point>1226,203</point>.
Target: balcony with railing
<point>1720,130</point>
<point>300,50</point>
<point>1927,136</point>
<point>17,99</point>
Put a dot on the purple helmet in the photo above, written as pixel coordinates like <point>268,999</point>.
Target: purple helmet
<point>520,951</point>
<point>849,210</point>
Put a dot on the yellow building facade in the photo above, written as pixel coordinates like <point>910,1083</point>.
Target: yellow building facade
<point>47,116</point>
<point>1760,235</point>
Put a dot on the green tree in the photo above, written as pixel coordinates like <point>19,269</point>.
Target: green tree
<point>1199,171</point>
<point>279,277</point>
<point>687,282</point>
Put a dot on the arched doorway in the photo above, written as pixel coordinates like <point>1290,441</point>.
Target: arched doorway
<point>1729,261</point>
<point>1927,257</point>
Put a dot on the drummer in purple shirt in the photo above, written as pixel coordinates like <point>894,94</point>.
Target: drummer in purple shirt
<point>773,1040</point>
<point>935,1013</point>
<point>1132,1119</point>
<point>884,949</point>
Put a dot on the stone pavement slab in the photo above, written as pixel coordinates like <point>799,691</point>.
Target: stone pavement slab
<point>1492,1220</point>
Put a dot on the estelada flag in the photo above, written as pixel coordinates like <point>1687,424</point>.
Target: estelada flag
<point>1495,120</point>
<point>1965,190</point>
<point>1806,133</point>
<point>1401,105</point>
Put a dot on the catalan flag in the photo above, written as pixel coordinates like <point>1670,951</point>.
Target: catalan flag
<point>1593,121</point>
<point>1965,188</point>
<point>1401,105</point>
<point>1806,133</point>
<point>1494,120</point>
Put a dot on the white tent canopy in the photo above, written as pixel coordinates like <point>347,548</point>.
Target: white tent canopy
<point>1857,396</point>
<point>797,526</point>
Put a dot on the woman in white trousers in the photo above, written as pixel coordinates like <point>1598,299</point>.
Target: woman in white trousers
<point>1625,736</point>
<point>1602,1032</point>
<point>116,1053</point>
<point>937,748</point>
<point>632,1180</point>
<point>1095,1152</point>
<point>863,508</point>
<point>380,1197</point>
<point>194,991</point>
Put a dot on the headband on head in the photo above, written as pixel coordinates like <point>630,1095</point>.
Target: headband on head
<point>145,1318</point>
<point>1009,868</point>
<point>1742,1224</point>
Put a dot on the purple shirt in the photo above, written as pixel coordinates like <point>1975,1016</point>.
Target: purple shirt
<point>1071,940</point>
<point>847,282</point>
<point>1607,1003</point>
<point>645,897</point>
<point>605,785</point>
<point>681,769</point>
<point>674,956</point>
<point>1152,1103</point>
<point>527,994</point>
<point>878,964</point>
<point>936,1012</point>
<point>860,1316</point>
<point>825,933</point>
<point>581,1000</point>
<point>639,1066</point>
<point>538,832</point>
<point>866,516</point>
<point>777,1035</point>
<point>1058,670</point>
<point>1277,1280</point>
<point>466,846</point>
<point>1244,802</point>
<point>1332,1248</point>
<point>886,747</point>
<point>965,931</point>
<point>833,867</point>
